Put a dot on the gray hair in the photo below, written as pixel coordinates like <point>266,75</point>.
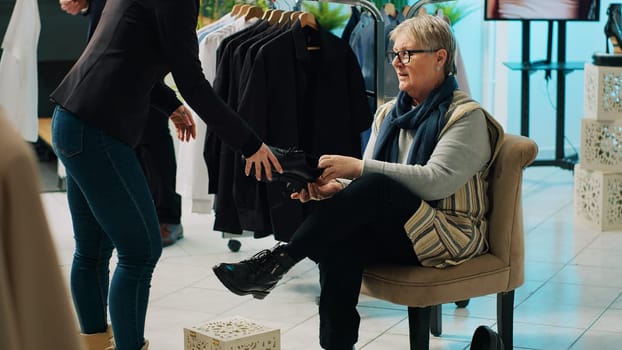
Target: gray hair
<point>432,33</point>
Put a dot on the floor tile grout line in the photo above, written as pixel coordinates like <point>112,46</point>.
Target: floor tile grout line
<point>596,319</point>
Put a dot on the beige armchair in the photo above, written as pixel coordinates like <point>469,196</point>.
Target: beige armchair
<point>500,271</point>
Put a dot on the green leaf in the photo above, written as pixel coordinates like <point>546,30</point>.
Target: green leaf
<point>329,17</point>
<point>454,12</point>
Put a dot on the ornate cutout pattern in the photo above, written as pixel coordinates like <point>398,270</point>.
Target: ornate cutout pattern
<point>602,92</point>
<point>601,145</point>
<point>598,197</point>
<point>231,334</point>
<point>612,92</point>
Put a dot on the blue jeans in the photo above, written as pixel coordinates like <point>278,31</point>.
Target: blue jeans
<point>111,207</point>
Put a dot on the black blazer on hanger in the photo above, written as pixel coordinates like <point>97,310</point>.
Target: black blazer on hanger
<point>299,96</point>
<point>135,44</point>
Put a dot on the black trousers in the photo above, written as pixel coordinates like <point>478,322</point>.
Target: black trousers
<point>359,226</point>
<point>156,154</point>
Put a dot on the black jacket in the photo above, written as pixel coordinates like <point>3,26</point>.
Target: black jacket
<point>136,43</point>
<point>296,96</point>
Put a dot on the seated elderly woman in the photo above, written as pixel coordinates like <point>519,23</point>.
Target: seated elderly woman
<point>417,197</point>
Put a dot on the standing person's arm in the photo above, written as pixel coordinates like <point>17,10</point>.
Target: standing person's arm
<point>177,34</point>
<point>164,99</point>
<point>92,8</point>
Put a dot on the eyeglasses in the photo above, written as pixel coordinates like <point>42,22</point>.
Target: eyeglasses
<point>404,55</point>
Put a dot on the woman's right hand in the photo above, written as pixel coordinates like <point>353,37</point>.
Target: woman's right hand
<point>263,158</point>
<point>336,166</point>
<point>317,191</point>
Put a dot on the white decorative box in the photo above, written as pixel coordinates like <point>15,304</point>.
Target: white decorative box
<point>234,333</point>
<point>602,92</point>
<point>601,145</point>
<point>598,197</point>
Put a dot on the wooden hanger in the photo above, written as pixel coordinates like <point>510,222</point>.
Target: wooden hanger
<point>267,14</point>
<point>275,16</point>
<point>242,10</point>
<point>307,19</point>
<point>405,10</point>
<point>253,12</point>
<point>293,16</point>
<point>284,20</point>
<point>389,9</point>
<point>235,10</point>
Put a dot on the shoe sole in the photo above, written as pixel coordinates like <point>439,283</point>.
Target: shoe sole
<point>256,294</point>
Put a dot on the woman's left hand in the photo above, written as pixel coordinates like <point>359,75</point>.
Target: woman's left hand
<point>317,191</point>
<point>184,123</point>
<point>336,166</point>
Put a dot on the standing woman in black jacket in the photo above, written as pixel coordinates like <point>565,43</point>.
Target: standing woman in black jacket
<point>102,108</point>
<point>155,150</point>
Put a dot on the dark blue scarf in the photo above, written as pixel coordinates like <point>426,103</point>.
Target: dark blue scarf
<point>426,120</point>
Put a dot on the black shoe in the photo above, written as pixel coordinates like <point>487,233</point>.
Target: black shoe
<point>257,275</point>
<point>299,168</point>
<point>485,338</point>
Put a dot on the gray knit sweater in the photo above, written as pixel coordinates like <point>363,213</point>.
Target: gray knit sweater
<point>463,150</point>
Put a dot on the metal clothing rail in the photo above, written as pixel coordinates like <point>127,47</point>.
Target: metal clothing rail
<point>379,44</point>
<point>414,9</point>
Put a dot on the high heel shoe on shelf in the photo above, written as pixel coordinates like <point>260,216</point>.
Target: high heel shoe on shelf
<point>613,28</point>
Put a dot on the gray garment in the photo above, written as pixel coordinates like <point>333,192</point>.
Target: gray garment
<point>463,150</point>
<point>362,42</point>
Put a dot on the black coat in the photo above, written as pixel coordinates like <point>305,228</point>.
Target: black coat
<point>296,96</point>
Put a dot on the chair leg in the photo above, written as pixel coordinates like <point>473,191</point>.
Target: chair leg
<point>436,320</point>
<point>419,327</point>
<point>505,318</point>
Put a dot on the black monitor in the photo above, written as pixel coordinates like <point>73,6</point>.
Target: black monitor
<point>542,10</point>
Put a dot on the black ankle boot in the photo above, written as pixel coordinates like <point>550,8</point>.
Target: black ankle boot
<point>299,168</point>
<point>613,28</point>
<point>257,275</point>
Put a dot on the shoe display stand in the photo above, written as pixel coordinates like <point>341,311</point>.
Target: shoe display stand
<point>598,178</point>
<point>561,67</point>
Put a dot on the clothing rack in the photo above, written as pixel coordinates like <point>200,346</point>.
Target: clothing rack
<point>414,9</point>
<point>379,50</point>
<point>379,47</point>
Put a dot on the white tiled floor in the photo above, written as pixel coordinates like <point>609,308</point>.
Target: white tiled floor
<point>571,299</point>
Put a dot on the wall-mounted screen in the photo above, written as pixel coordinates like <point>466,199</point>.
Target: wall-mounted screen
<point>542,10</point>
